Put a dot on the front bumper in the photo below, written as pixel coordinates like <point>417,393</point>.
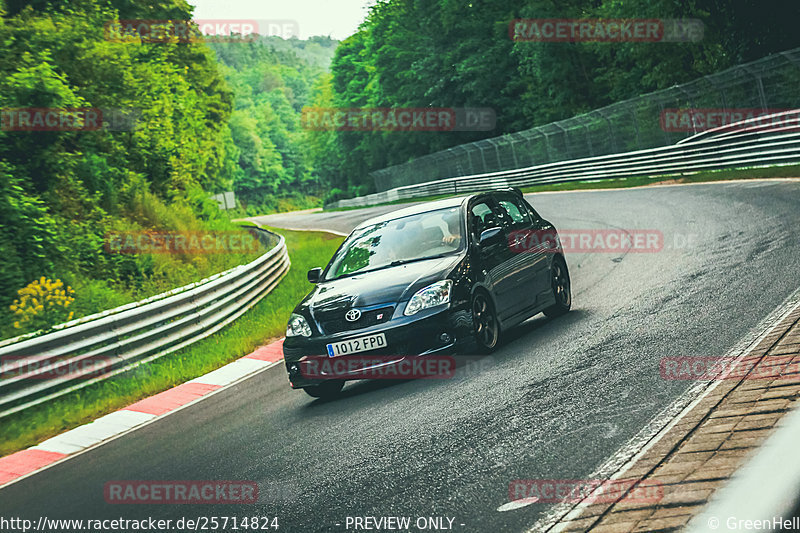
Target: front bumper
<point>406,338</point>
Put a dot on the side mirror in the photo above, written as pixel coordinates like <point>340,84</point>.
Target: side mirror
<point>488,236</point>
<point>314,274</point>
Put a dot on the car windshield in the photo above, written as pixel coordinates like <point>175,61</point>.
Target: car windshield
<point>401,240</point>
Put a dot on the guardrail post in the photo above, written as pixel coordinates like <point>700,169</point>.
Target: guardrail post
<point>759,85</point>
<point>469,150</point>
<point>496,154</point>
<point>514,154</point>
<point>661,114</point>
<point>636,129</point>
<point>614,147</point>
<point>483,160</point>
<point>546,146</point>
<point>589,146</point>
<point>690,99</point>
<point>567,143</point>
<point>713,83</point>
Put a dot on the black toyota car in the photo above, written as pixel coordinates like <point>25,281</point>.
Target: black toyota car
<point>439,277</point>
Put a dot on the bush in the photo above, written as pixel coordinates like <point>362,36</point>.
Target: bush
<point>42,304</point>
<point>334,195</point>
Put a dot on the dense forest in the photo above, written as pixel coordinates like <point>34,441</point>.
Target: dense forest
<point>202,127</point>
<point>62,192</point>
<point>214,117</point>
<point>449,53</point>
<point>272,80</point>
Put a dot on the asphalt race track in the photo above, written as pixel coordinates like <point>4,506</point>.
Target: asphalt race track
<point>554,402</point>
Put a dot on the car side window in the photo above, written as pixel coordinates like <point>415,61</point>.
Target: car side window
<point>482,217</point>
<point>514,213</point>
<point>535,216</point>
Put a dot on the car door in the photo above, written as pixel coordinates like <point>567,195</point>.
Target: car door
<point>541,249</point>
<point>492,257</point>
<point>518,223</point>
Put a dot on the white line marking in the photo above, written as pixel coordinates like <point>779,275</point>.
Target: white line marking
<point>517,504</point>
<point>145,422</point>
<point>125,418</point>
<point>52,445</point>
<point>231,372</point>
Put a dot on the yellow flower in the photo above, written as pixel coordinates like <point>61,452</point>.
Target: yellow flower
<point>42,304</point>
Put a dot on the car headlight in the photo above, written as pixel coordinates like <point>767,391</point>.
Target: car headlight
<point>298,327</point>
<point>430,296</point>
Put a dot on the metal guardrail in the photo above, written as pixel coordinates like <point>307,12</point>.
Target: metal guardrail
<point>749,143</point>
<point>640,123</point>
<point>37,368</point>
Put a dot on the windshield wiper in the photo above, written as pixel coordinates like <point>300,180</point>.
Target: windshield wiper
<point>389,265</point>
<point>357,272</point>
<point>406,261</point>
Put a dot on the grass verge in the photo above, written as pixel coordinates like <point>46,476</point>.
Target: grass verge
<point>787,171</point>
<point>266,321</point>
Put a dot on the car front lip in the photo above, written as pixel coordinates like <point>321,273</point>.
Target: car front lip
<point>364,372</point>
<point>406,337</point>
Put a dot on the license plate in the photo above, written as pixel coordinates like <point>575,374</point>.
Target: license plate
<point>360,344</point>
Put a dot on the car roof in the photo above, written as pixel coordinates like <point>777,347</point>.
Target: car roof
<point>432,206</point>
<point>416,209</point>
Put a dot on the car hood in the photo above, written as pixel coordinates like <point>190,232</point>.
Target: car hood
<point>384,286</point>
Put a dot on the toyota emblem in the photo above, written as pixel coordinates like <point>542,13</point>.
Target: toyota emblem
<point>352,315</point>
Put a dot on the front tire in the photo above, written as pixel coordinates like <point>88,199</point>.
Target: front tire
<point>562,288</point>
<point>485,323</point>
<point>325,390</point>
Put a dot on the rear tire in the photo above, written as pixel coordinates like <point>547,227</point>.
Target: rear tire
<point>562,289</point>
<point>325,390</point>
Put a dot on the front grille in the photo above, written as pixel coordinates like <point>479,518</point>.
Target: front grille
<point>367,319</point>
